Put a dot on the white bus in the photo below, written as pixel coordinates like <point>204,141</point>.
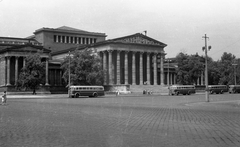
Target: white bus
<point>182,89</point>
<point>91,91</point>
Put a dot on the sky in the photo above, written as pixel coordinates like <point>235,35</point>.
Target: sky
<point>181,24</point>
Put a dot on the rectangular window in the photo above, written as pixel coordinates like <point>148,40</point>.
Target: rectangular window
<point>79,40</point>
<point>59,39</point>
<point>83,40</point>
<point>87,39</point>
<point>63,39</point>
<point>55,38</point>
<point>95,40</point>
<point>76,40</point>
<point>67,39</point>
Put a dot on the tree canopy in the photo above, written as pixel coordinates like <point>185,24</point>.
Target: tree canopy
<point>189,68</point>
<point>32,74</point>
<point>219,72</point>
<point>85,68</point>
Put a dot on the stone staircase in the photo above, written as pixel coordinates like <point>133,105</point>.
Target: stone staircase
<point>159,89</point>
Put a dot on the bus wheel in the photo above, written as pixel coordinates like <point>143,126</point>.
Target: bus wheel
<point>95,95</point>
<point>77,95</point>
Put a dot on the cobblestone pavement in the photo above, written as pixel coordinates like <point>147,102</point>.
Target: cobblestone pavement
<point>123,121</point>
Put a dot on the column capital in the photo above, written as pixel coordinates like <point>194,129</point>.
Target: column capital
<point>141,53</point>
<point>148,53</point>
<point>8,57</point>
<point>110,51</point>
<point>103,51</point>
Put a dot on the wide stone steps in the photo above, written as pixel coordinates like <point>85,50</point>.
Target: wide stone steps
<point>154,88</point>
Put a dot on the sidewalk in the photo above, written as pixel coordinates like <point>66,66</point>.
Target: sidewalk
<point>39,96</point>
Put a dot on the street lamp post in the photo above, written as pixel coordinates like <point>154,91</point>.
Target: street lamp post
<point>69,75</point>
<point>206,68</point>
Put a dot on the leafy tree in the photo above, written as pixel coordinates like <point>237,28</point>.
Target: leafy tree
<point>227,69</point>
<point>189,68</point>
<point>85,68</point>
<point>214,73</point>
<point>32,74</point>
<point>219,72</point>
<point>237,71</point>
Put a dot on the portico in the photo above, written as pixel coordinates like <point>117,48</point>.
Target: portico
<point>133,67</point>
<point>13,54</point>
<point>133,60</point>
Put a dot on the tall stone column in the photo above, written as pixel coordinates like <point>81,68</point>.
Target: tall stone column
<point>162,70</point>
<point>60,77</point>
<point>202,81</point>
<point>110,66</point>
<point>8,71</point>
<point>118,68</point>
<point>126,67</point>
<point>155,69</point>
<point>175,78</point>
<point>16,69</point>
<point>148,68</point>
<point>170,76</point>
<point>81,40</point>
<point>105,67</point>
<point>24,61</point>
<point>133,68</point>
<point>46,72</point>
<point>141,69</point>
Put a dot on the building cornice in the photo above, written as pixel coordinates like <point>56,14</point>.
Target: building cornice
<point>80,32</point>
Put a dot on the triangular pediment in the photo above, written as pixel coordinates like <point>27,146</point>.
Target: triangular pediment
<point>139,39</point>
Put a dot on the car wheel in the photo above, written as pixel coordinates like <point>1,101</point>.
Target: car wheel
<point>95,95</point>
<point>77,95</point>
<point>221,92</point>
<point>177,93</point>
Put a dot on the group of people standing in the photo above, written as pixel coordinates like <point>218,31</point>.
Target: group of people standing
<point>4,98</point>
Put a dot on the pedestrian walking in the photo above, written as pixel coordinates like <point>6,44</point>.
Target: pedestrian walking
<point>34,91</point>
<point>4,98</point>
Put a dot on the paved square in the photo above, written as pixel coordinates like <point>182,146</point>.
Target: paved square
<point>123,121</point>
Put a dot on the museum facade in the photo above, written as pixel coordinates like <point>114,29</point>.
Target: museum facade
<point>135,60</point>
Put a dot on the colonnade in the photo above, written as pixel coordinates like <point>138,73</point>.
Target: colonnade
<point>12,64</point>
<point>74,39</point>
<point>134,68</point>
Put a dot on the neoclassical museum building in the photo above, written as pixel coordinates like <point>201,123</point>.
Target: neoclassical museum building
<point>133,63</point>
